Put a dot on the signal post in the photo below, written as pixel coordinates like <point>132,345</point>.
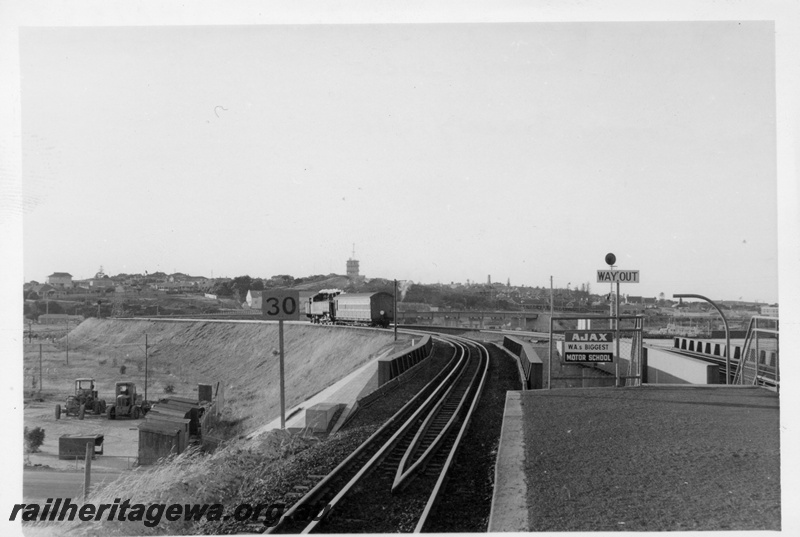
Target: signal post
<point>616,276</point>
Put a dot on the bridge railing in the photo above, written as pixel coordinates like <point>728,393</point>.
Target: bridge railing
<point>760,360</point>
<point>532,367</point>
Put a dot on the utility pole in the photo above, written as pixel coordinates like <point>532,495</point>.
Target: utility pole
<point>395,309</point>
<point>87,472</point>
<point>145,367</point>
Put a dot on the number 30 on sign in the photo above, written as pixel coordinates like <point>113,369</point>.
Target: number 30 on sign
<point>281,305</point>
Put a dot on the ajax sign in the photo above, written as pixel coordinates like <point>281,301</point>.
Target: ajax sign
<point>585,346</point>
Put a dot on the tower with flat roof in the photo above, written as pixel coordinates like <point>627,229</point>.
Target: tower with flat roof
<point>352,266</point>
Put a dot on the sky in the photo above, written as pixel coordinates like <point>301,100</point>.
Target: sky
<point>443,152</point>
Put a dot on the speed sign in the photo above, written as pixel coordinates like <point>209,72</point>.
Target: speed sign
<point>281,305</point>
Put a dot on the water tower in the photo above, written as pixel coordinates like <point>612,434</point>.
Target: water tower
<point>352,266</point>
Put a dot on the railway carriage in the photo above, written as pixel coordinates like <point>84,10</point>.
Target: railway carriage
<point>374,309</point>
<point>335,307</point>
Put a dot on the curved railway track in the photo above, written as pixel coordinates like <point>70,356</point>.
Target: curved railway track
<point>402,468</point>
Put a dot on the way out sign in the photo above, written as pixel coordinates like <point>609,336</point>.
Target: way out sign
<point>617,276</point>
<point>588,346</point>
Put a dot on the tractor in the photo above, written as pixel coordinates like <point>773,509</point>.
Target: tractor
<point>127,403</point>
<point>84,400</point>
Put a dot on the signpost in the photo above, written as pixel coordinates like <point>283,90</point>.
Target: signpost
<point>616,276</point>
<point>281,305</point>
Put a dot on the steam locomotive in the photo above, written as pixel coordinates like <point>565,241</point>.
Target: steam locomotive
<point>332,306</point>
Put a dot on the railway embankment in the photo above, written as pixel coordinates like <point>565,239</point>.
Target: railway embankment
<point>238,359</point>
<point>271,469</point>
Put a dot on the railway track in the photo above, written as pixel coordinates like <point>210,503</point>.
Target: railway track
<point>393,480</point>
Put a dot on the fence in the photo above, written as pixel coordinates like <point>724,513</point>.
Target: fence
<point>394,365</point>
<point>104,463</point>
<point>624,361</point>
<point>759,362</point>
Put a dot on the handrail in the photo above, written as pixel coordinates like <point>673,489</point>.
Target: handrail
<point>753,330</point>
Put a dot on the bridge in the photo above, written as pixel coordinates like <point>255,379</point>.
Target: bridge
<point>755,361</point>
<point>522,320</point>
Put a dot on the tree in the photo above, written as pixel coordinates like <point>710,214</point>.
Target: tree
<point>239,287</point>
<point>257,285</point>
<point>34,438</point>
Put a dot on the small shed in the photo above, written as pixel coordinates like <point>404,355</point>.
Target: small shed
<point>205,393</point>
<point>160,438</point>
<point>73,446</point>
<point>184,408</point>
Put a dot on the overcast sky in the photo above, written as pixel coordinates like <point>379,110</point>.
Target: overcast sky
<point>445,152</point>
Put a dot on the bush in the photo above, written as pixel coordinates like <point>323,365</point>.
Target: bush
<point>169,388</point>
<point>34,438</point>
<point>122,369</point>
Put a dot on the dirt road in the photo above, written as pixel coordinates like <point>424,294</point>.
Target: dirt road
<point>120,437</point>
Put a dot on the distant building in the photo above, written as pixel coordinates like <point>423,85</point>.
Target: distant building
<point>769,311</point>
<point>352,266</point>
<point>101,280</point>
<point>253,299</point>
<point>44,290</point>
<point>59,318</point>
<point>60,279</point>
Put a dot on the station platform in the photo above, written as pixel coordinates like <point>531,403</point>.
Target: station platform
<point>647,458</point>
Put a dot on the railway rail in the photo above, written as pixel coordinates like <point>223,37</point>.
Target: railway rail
<point>405,462</point>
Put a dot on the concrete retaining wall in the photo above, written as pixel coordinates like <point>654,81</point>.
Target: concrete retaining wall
<point>664,367</point>
<point>394,365</point>
<point>529,360</point>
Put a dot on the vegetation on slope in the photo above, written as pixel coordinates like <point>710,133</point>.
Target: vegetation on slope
<point>239,359</point>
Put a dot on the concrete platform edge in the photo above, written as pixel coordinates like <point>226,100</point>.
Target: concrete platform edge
<point>509,501</point>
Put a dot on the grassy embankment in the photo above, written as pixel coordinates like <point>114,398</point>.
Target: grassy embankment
<point>239,355</point>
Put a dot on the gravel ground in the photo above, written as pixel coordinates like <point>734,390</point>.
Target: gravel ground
<point>652,458</point>
<point>467,499</point>
<point>275,483</point>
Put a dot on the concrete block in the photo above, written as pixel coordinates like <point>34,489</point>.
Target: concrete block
<point>319,418</point>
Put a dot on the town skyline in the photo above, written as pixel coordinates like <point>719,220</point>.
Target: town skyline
<point>595,287</point>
